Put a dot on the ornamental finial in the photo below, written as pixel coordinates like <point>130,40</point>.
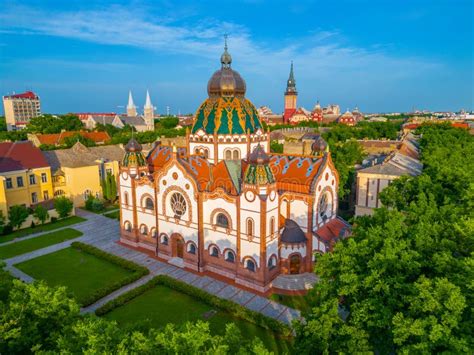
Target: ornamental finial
<point>226,59</point>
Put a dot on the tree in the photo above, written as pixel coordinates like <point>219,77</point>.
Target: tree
<point>403,281</point>
<point>109,187</point>
<point>41,213</point>
<point>63,206</point>
<point>276,147</point>
<point>70,141</point>
<point>34,317</point>
<point>54,124</point>
<point>37,318</point>
<point>17,214</point>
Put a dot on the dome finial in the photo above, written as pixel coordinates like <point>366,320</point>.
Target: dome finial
<point>226,59</point>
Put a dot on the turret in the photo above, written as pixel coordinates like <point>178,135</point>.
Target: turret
<point>149,111</point>
<point>133,160</point>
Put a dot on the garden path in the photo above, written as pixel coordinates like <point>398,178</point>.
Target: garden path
<point>103,233</point>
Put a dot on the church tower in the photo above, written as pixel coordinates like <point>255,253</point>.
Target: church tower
<point>131,108</point>
<point>290,96</point>
<point>149,112</point>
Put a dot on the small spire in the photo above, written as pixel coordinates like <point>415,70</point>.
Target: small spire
<point>130,100</point>
<point>148,100</point>
<point>226,58</point>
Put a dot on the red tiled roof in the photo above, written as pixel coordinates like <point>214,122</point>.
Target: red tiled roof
<point>333,231</point>
<point>294,173</point>
<point>20,156</point>
<point>58,138</point>
<point>25,95</point>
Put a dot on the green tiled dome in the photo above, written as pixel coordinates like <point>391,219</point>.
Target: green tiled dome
<point>224,115</point>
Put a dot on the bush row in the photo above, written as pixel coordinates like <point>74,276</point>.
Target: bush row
<point>138,272</point>
<point>231,307</point>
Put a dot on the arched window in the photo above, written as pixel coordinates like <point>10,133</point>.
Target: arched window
<point>154,233</point>
<point>222,220</point>
<point>272,262</point>
<point>230,256</point>
<point>324,206</point>
<point>206,153</point>
<point>272,225</point>
<point>178,204</point>
<point>250,227</point>
<point>149,205</point>
<point>143,230</point>
<point>214,252</point>
<point>164,239</point>
<point>125,197</point>
<point>250,265</point>
<point>228,155</point>
<point>196,151</point>
<point>128,226</point>
<point>236,154</point>
<point>192,248</point>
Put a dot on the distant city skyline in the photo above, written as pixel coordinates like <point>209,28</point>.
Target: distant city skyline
<point>379,56</point>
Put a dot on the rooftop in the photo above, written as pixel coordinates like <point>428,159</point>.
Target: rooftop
<point>80,155</point>
<point>20,156</point>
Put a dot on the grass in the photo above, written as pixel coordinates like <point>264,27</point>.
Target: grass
<point>25,246</point>
<point>42,228</point>
<point>114,215</point>
<point>82,273</point>
<point>297,302</point>
<point>162,305</point>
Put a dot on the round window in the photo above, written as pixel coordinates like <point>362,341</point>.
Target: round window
<point>178,204</point>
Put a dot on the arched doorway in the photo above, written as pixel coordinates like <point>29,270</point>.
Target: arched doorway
<point>295,263</point>
<point>177,246</point>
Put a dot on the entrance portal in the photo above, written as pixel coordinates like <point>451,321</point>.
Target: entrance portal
<point>295,262</point>
<point>180,248</point>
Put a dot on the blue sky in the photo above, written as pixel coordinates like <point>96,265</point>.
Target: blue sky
<point>84,56</point>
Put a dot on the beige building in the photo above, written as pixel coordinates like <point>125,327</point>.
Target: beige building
<point>373,179</point>
<point>78,171</point>
<point>20,108</point>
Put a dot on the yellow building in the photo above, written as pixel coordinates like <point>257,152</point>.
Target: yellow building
<point>78,171</point>
<point>25,176</point>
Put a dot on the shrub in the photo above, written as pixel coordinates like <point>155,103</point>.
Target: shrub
<point>32,225</point>
<point>138,271</point>
<point>54,219</point>
<point>94,204</point>
<point>231,307</point>
<point>63,206</point>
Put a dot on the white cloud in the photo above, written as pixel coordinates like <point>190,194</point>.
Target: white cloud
<point>322,56</point>
<point>135,27</point>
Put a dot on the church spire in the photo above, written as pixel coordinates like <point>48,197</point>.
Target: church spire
<point>291,83</point>
<point>131,108</point>
<point>148,101</point>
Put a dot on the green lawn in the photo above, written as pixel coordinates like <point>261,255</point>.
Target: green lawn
<point>25,246</point>
<point>296,302</point>
<point>42,228</point>
<point>162,305</point>
<point>81,272</point>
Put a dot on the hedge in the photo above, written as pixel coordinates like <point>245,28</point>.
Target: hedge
<point>138,271</point>
<point>233,308</point>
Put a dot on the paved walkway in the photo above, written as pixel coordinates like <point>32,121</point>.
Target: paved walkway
<point>103,233</point>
